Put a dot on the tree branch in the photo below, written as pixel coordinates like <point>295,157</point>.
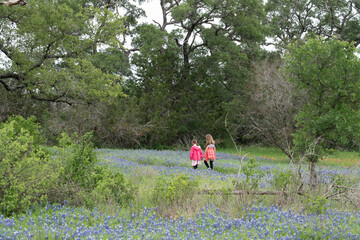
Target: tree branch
<point>11,3</point>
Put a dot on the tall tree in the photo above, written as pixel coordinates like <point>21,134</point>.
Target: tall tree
<point>329,73</point>
<point>194,61</point>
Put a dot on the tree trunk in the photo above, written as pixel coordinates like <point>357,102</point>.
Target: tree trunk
<point>313,175</point>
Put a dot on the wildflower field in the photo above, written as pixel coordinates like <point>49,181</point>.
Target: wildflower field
<point>174,201</point>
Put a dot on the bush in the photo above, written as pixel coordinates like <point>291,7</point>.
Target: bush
<point>111,188</point>
<point>26,172</point>
<point>171,192</point>
<point>281,179</point>
<point>78,159</point>
<point>83,181</point>
<point>19,123</point>
<point>315,204</point>
<point>253,175</point>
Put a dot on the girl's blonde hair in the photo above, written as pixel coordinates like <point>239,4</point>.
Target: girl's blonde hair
<point>209,139</point>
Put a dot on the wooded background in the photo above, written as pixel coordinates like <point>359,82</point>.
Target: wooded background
<point>81,66</point>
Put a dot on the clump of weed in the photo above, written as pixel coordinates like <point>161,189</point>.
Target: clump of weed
<point>252,175</point>
<point>175,192</point>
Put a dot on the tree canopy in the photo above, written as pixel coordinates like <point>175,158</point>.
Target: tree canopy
<point>329,73</point>
<point>193,62</point>
<point>46,48</point>
<point>293,20</point>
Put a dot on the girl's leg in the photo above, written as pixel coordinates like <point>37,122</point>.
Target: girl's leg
<point>195,167</point>
<point>206,164</point>
<point>211,164</point>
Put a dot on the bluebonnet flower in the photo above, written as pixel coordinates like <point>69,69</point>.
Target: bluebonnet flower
<point>256,222</point>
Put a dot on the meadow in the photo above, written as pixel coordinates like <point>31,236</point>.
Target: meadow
<point>174,201</point>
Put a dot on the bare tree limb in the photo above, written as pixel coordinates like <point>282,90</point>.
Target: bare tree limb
<point>11,3</point>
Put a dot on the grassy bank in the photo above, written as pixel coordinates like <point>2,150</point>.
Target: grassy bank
<point>334,158</point>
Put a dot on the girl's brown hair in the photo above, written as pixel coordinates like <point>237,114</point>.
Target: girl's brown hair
<point>194,141</point>
<point>209,139</point>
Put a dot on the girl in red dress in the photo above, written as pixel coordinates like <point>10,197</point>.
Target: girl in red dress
<point>210,151</point>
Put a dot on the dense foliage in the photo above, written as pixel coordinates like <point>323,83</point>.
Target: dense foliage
<point>21,157</point>
<point>29,175</point>
<point>83,66</point>
<point>82,180</point>
<point>46,48</point>
<point>328,71</point>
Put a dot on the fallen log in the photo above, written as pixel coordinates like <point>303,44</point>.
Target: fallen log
<point>241,192</point>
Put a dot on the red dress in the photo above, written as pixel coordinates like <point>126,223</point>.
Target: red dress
<point>210,152</point>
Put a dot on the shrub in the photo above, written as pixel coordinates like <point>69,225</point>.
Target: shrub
<point>83,181</point>
<point>19,124</point>
<point>281,179</point>
<point>170,192</point>
<point>253,175</point>
<point>315,204</point>
<point>111,188</point>
<point>26,172</point>
<point>29,175</point>
<point>79,159</point>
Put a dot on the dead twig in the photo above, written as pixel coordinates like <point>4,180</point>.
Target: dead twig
<point>237,150</point>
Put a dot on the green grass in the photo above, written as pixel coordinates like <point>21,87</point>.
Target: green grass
<point>258,151</point>
<point>336,158</point>
<point>342,158</point>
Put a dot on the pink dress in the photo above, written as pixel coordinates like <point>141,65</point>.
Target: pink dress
<point>210,152</point>
<point>196,155</point>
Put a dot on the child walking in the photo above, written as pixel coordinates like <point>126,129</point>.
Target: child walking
<point>196,154</point>
<point>210,151</point>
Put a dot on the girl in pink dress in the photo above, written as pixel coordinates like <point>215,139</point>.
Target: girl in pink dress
<point>196,154</point>
<point>210,151</point>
